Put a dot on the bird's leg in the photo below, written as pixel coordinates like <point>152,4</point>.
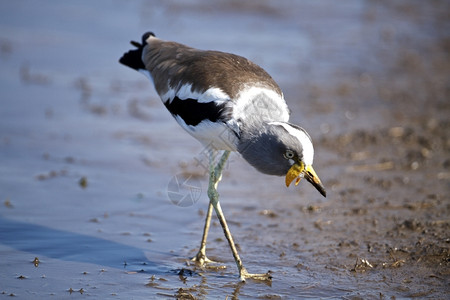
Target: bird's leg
<point>214,200</point>
<point>214,179</point>
<point>201,258</point>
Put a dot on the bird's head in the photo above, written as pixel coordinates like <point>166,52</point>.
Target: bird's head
<point>282,149</point>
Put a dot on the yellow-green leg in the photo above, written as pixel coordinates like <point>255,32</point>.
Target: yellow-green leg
<point>201,257</point>
<point>215,175</point>
<point>214,178</point>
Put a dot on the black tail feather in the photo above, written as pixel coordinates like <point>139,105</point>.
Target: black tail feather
<point>146,35</point>
<point>136,44</point>
<point>133,58</point>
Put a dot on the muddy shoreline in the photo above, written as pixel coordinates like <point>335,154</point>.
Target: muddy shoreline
<point>88,153</point>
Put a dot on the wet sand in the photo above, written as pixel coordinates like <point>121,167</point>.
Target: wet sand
<point>88,153</point>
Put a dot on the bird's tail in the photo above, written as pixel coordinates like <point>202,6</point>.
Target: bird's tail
<point>133,58</point>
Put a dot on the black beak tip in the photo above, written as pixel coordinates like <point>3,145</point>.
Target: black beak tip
<point>323,192</point>
<point>318,185</point>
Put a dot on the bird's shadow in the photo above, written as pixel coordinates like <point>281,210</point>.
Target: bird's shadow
<point>70,246</point>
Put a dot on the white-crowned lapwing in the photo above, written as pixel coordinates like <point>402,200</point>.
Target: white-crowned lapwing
<point>227,103</point>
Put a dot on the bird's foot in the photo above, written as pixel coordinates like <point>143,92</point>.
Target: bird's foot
<point>203,261</point>
<point>267,277</point>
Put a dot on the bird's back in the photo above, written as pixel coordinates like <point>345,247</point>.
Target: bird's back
<point>173,65</point>
<point>211,93</point>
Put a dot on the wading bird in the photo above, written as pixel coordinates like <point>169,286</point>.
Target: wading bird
<point>227,103</point>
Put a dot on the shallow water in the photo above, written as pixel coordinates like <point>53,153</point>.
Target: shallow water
<point>88,153</point>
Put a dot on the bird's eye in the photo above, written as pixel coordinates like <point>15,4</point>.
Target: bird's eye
<point>289,154</point>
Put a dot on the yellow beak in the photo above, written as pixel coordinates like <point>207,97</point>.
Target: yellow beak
<point>298,171</point>
<point>294,172</point>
